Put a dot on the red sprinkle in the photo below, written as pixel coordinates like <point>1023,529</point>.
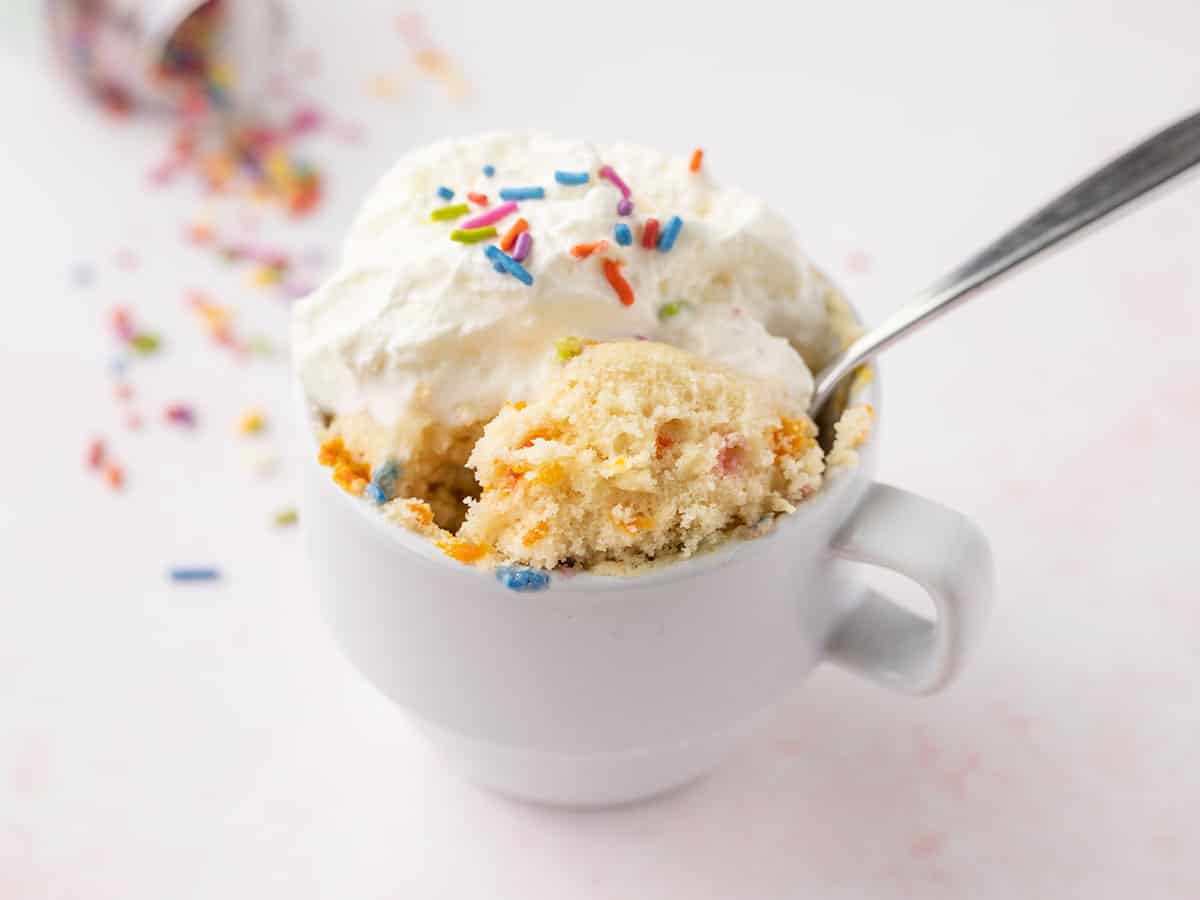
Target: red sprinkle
<point>697,159</point>
<point>95,455</point>
<point>612,271</point>
<point>650,234</point>
<point>478,199</point>
<point>122,323</point>
<point>583,251</point>
<point>510,236</point>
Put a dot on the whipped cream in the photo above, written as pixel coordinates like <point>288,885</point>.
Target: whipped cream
<point>413,325</point>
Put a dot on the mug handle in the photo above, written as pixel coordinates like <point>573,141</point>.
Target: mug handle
<point>941,550</point>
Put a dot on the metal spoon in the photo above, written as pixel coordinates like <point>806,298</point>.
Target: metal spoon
<point>1152,162</point>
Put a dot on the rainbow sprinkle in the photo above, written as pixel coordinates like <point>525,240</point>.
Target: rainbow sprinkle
<point>672,309</point>
<point>285,517</point>
<point>478,199</point>
<point>491,216</point>
<point>473,235</point>
<point>612,271</point>
<point>524,244</point>
<point>489,170</point>
<point>450,213</point>
<point>622,234</point>
<point>696,160</point>
<point>522,578</point>
<point>568,347</point>
<point>510,265</point>
<point>185,573</point>
<point>583,251</point>
<point>667,239</point>
<point>523,193</point>
<point>375,494</point>
<point>650,234</point>
<point>625,206</point>
<point>510,236</point>
<point>572,178</point>
<point>445,193</point>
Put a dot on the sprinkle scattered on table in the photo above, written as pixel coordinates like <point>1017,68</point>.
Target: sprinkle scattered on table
<point>193,573</point>
<point>286,517</point>
<point>522,578</point>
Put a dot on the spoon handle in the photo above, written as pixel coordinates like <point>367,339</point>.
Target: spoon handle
<point>1140,169</point>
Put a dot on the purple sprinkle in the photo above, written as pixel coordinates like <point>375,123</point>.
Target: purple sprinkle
<point>522,247</point>
<point>624,207</point>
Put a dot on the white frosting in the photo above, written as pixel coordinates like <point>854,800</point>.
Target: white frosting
<point>413,324</point>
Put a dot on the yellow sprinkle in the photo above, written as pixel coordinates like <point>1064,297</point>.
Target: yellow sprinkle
<point>265,276</point>
<point>568,347</point>
<point>252,421</point>
<point>550,473</point>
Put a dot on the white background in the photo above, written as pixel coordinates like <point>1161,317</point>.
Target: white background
<point>164,741</point>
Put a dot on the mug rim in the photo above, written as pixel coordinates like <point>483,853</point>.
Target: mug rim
<point>833,486</point>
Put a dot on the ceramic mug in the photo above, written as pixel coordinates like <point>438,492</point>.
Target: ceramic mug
<point>605,689</point>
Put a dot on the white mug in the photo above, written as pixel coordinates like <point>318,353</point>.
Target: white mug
<point>606,689</point>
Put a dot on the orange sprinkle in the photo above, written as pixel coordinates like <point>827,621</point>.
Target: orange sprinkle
<point>543,432</point>
<point>351,476</point>
<point>536,533</point>
<point>635,525</point>
<point>793,437</point>
<point>115,476</point>
<point>478,199</point>
<point>583,251</point>
<point>697,159</point>
<point>462,551</point>
<point>420,511</point>
<point>510,236</point>
<point>612,271</point>
<point>331,451</point>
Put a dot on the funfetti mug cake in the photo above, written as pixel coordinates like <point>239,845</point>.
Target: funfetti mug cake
<point>566,504</point>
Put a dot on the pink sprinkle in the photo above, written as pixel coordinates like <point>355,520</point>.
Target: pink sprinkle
<point>522,247</point>
<point>95,457</point>
<point>490,217</point>
<point>607,171</point>
<point>179,414</point>
<point>305,120</point>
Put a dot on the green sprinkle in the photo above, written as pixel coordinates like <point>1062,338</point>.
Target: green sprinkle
<point>568,347</point>
<point>450,213</point>
<point>287,516</point>
<point>473,235</point>
<point>261,346</point>
<point>144,343</point>
<point>674,308</point>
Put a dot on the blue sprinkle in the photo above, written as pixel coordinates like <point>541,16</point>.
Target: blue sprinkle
<point>445,193</point>
<point>386,476</point>
<point>189,574</point>
<point>525,193</point>
<point>666,240</point>
<point>489,170</point>
<point>571,177</point>
<point>502,262</point>
<point>118,365</point>
<point>375,494</point>
<point>522,578</point>
<point>623,235</point>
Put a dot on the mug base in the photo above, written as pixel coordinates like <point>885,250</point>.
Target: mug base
<point>581,782</point>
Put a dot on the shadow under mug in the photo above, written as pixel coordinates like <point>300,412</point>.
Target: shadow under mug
<point>605,689</point>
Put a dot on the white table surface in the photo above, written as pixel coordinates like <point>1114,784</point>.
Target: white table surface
<point>207,741</point>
